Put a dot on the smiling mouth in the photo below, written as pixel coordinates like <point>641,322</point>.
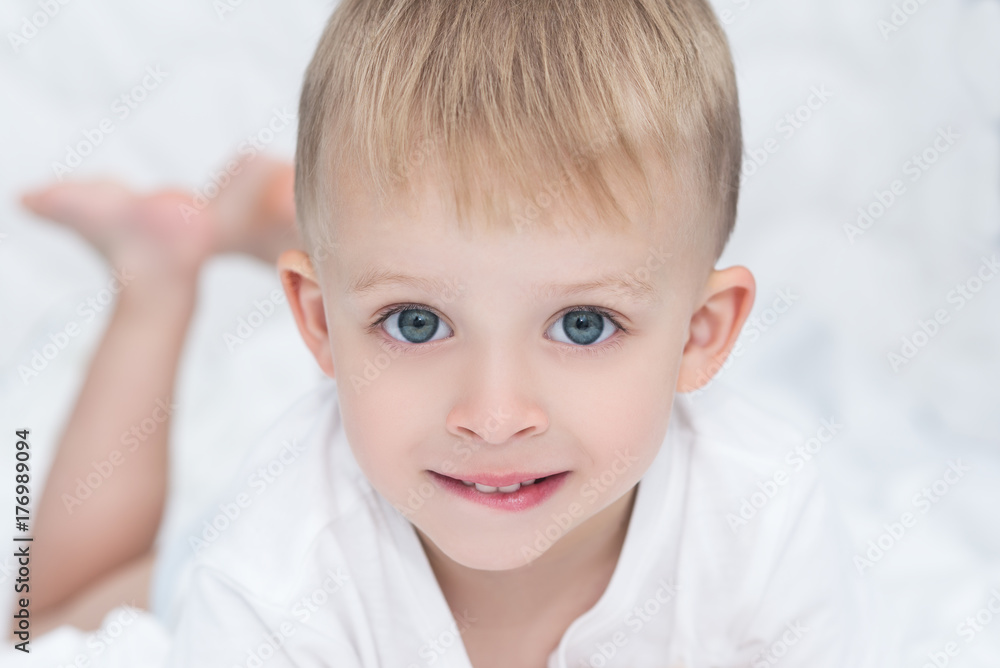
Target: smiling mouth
<point>506,489</point>
<point>511,491</point>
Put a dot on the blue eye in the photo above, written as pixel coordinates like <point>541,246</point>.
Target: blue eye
<point>582,328</point>
<point>416,326</point>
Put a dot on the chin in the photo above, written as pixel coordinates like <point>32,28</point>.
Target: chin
<point>487,553</point>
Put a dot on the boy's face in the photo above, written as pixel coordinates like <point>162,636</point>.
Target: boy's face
<point>503,357</point>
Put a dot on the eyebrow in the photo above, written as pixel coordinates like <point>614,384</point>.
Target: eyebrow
<point>376,278</point>
<point>626,285</point>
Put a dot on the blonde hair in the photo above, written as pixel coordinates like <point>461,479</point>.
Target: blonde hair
<point>525,94</point>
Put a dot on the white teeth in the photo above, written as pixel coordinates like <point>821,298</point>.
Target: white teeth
<point>487,489</point>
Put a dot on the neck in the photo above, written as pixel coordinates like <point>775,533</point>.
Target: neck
<point>557,587</point>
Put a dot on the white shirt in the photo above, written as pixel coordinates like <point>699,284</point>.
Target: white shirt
<point>311,566</point>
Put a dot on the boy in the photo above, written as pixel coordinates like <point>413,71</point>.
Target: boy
<point>512,212</point>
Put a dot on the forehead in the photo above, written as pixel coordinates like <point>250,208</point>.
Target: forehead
<point>417,240</point>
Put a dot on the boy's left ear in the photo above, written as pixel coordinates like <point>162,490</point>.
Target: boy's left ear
<point>715,326</point>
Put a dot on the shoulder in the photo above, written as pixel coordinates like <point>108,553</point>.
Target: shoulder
<point>299,492</point>
<point>226,622</point>
<point>300,543</point>
<point>741,453</point>
<point>762,545</point>
<point>749,470</point>
<point>727,424</point>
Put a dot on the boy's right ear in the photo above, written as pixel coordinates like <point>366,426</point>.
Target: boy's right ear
<point>306,300</point>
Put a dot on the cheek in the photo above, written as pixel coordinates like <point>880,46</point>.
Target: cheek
<point>620,419</point>
<point>623,444</point>
<point>392,420</point>
<point>376,378</point>
<point>384,418</point>
<point>622,397</point>
<point>369,434</point>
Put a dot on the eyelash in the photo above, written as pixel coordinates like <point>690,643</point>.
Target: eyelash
<point>390,344</point>
<point>394,346</point>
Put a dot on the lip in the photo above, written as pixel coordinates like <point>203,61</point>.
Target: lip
<point>500,479</point>
<point>523,499</point>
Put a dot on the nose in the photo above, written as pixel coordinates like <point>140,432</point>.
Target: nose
<point>497,402</point>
